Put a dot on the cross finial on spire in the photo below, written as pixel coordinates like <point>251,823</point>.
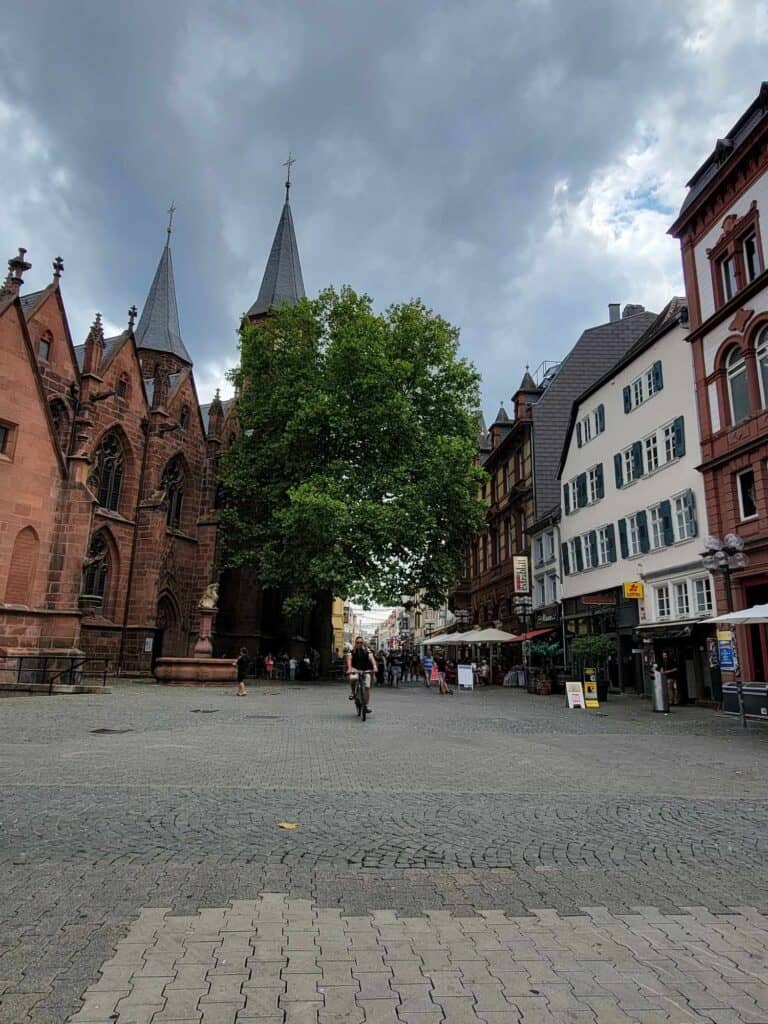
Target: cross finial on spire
<point>58,266</point>
<point>288,163</point>
<point>171,211</point>
<point>132,314</point>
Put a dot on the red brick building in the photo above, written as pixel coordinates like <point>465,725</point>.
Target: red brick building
<point>721,227</point>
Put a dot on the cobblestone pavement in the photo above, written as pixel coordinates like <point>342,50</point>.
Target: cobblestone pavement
<point>436,810</point>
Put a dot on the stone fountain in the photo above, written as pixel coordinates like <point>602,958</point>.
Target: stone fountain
<point>202,669</point>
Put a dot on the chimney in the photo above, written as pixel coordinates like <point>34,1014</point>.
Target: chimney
<point>613,312</point>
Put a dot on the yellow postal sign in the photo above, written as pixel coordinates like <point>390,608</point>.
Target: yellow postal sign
<point>634,590</point>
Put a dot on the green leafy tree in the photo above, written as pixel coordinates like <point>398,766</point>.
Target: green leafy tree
<point>354,473</point>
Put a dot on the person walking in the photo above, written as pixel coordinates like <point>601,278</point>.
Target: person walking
<point>269,665</point>
<point>426,666</point>
<point>292,666</point>
<point>242,664</point>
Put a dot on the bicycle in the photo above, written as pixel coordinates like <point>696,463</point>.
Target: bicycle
<point>360,688</point>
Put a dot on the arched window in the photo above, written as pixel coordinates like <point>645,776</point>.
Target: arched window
<point>761,351</point>
<point>60,417</point>
<point>21,573</point>
<point>96,568</point>
<point>44,347</point>
<point>736,371</point>
<point>108,469</point>
<point>173,485</point>
<point>184,418</point>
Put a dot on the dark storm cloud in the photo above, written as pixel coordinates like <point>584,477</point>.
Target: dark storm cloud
<point>472,154</point>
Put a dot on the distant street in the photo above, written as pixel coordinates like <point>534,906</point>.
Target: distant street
<point>465,808</point>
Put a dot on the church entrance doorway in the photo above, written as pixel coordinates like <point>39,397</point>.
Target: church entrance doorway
<point>169,638</point>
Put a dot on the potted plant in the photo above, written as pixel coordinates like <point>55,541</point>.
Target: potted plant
<point>594,650</point>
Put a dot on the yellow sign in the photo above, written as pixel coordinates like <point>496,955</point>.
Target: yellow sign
<point>634,590</point>
<point>590,694</point>
<point>725,636</point>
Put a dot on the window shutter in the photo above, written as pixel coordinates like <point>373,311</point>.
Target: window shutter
<point>567,499</point>
<point>623,544</point>
<point>600,481</point>
<point>581,490</point>
<point>564,559</point>
<point>642,531</point>
<point>627,399</point>
<point>578,554</point>
<point>679,438</point>
<point>592,541</point>
<point>658,379</point>
<point>618,469</point>
<point>690,512</point>
<point>600,415</point>
<point>578,434</point>
<point>665,508</point>
<point>637,458</point>
<point>611,542</point>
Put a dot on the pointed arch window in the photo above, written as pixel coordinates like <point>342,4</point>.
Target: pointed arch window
<point>96,569</point>
<point>44,347</point>
<point>108,471</point>
<point>60,417</point>
<point>184,418</point>
<point>173,485</point>
<point>736,372</point>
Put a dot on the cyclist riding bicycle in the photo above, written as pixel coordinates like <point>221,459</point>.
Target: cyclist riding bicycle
<point>361,659</point>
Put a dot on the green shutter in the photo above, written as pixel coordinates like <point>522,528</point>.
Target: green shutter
<point>618,469</point>
<point>567,499</point>
<point>581,490</point>
<point>627,399</point>
<point>623,543</point>
<point>592,541</point>
<point>658,378</point>
<point>564,559</point>
<point>578,554</point>
<point>600,481</point>
<point>679,437</point>
<point>665,508</point>
<point>600,415</point>
<point>642,531</point>
<point>637,459</point>
<point>578,434</point>
<point>689,500</point>
<point>611,542</point>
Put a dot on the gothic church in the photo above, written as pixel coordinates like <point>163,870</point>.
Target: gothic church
<point>108,473</point>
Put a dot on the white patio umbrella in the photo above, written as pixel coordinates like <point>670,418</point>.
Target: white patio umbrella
<point>754,616</point>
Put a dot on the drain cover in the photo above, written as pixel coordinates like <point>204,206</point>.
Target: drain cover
<point>110,732</point>
<point>204,711</point>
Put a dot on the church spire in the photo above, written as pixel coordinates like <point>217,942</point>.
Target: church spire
<point>282,281</point>
<point>158,328</point>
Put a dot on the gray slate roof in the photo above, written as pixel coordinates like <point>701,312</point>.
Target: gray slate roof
<point>28,302</point>
<point>282,281</point>
<point>110,344</point>
<point>205,409</point>
<point>597,348</point>
<point>727,146</point>
<point>149,385</point>
<point>158,328</point>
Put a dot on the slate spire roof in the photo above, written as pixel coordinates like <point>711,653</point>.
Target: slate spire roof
<point>282,281</point>
<point>158,328</point>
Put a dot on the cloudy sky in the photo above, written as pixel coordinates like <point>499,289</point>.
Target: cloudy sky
<point>515,163</point>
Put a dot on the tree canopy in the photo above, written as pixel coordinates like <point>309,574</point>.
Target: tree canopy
<point>354,472</point>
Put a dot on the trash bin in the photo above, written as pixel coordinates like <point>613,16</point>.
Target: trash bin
<point>659,694</point>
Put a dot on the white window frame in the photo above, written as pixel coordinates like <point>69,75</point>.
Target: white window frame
<point>633,536</point>
<point>736,367</point>
<point>626,458</point>
<point>550,588</point>
<point>728,276</point>
<point>651,443</point>
<point>572,554</point>
<point>682,607</point>
<point>539,551</point>
<point>753,238</point>
<point>649,382</point>
<point>668,442</point>
<point>549,546</point>
<point>586,552</point>
<point>592,485</point>
<point>573,495</point>
<point>683,525</point>
<point>638,391</point>
<point>602,546</point>
<point>744,518</point>
<point>709,606</point>
<point>540,591</point>
<point>655,528</point>
<point>658,591</point>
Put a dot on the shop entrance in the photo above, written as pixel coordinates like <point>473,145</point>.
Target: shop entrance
<point>756,670</point>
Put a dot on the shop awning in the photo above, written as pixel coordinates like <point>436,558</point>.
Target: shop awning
<point>533,633</point>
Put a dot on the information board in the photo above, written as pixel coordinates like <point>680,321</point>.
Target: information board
<point>466,677</point>
<point>574,693</point>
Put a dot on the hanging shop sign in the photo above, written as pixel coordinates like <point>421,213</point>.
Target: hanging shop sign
<point>521,573</point>
<point>634,591</point>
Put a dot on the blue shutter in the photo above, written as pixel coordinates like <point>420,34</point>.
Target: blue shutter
<point>578,554</point>
<point>564,559</point>
<point>567,499</point>
<point>611,542</point>
<point>658,379</point>
<point>592,541</point>
<point>642,531</point>
<point>689,501</point>
<point>666,522</point>
<point>679,437</point>
<point>627,399</point>
<point>623,543</point>
<point>618,469</point>
<point>581,490</point>
<point>578,434</point>
<point>600,416</point>
<point>600,481</point>
<point>637,459</point>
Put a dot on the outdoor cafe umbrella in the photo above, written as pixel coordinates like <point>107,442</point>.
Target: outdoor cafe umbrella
<point>754,616</point>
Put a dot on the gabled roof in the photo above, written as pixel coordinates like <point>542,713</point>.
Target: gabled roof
<point>282,281</point>
<point>31,301</point>
<point>159,328</point>
<point>111,345</point>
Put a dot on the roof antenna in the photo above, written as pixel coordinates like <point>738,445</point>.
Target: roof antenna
<point>169,229</point>
<point>288,163</point>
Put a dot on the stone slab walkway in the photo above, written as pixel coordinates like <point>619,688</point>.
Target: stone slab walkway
<point>281,960</point>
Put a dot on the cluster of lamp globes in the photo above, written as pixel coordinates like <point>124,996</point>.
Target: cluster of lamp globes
<point>727,553</point>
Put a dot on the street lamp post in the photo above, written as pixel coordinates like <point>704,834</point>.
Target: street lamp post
<point>726,556</point>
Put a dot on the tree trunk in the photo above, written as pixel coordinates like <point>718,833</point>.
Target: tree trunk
<point>322,633</point>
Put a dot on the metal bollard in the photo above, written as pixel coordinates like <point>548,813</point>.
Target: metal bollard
<point>660,697</point>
